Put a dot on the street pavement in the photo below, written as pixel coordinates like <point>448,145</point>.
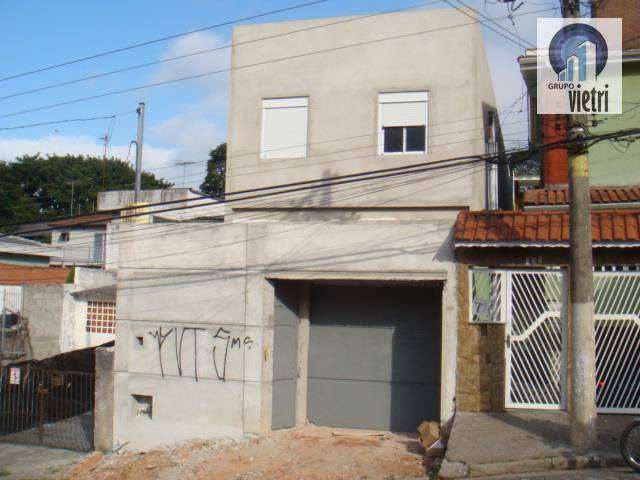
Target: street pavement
<point>592,474</point>
<point>30,462</point>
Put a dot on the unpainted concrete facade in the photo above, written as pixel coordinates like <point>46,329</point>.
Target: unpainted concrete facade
<point>175,298</point>
<point>361,60</point>
<point>195,337</point>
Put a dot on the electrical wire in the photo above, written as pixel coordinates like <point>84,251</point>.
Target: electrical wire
<point>285,201</point>
<point>328,182</point>
<point>210,50</point>
<point>251,65</point>
<point>519,44</point>
<point>161,39</point>
<point>595,139</point>
<point>68,120</point>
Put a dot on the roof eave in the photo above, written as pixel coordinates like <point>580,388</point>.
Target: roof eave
<point>517,244</point>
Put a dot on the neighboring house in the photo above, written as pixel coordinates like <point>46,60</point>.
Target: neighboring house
<point>54,310</point>
<point>82,239</point>
<point>609,163</point>
<point>170,206</point>
<point>22,251</point>
<point>154,206</point>
<point>336,305</point>
<point>513,273</point>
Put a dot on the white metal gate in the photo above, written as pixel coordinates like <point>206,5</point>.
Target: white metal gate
<point>536,339</point>
<point>617,309</point>
<point>534,305</point>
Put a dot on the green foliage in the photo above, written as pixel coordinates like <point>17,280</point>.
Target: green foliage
<point>71,276</point>
<point>213,183</point>
<point>39,188</point>
<point>15,204</point>
<point>525,164</point>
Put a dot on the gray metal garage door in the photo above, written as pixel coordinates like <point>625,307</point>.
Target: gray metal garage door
<point>374,356</point>
<point>285,348</point>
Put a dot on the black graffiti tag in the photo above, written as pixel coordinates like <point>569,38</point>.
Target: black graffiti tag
<point>219,364</point>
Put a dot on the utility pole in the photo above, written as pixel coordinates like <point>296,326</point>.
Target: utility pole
<point>184,164</point>
<point>139,140</point>
<point>72,183</point>
<point>582,344</point>
<point>105,139</point>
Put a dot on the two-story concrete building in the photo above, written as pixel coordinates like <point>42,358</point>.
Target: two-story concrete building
<point>330,302</point>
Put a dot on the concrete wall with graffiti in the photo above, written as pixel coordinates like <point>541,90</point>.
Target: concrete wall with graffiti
<point>194,342</point>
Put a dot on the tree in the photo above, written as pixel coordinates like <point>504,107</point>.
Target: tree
<point>15,205</point>
<point>213,183</point>
<point>40,188</point>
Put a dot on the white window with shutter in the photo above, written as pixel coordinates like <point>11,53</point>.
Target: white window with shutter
<point>402,123</point>
<point>284,127</point>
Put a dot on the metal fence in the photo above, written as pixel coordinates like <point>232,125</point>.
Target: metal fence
<point>533,306</point>
<point>51,408</point>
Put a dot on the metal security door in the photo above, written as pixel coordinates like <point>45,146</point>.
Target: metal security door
<point>536,339</point>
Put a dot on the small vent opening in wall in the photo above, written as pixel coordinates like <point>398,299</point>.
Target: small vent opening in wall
<point>142,405</point>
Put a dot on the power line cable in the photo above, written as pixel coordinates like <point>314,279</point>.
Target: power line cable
<point>239,67</point>
<point>68,120</point>
<point>286,185</point>
<point>336,180</point>
<point>122,236</point>
<point>210,50</point>
<point>327,154</point>
<point>519,44</point>
<point>161,39</point>
<point>286,200</point>
<point>595,139</point>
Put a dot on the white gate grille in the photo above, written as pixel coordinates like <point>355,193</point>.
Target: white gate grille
<point>617,306</point>
<point>535,339</point>
<point>534,305</point>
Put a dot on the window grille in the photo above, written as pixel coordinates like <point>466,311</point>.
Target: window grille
<point>101,317</point>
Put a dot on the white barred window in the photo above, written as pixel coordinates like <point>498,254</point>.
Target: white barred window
<point>101,317</point>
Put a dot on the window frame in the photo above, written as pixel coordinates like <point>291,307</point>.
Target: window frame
<point>421,96</point>
<point>493,318</point>
<point>283,102</point>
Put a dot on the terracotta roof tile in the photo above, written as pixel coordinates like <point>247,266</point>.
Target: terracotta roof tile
<point>22,275</point>
<point>540,227</point>
<point>85,220</point>
<point>540,197</point>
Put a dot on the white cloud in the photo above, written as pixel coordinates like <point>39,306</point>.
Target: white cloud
<point>201,125</point>
<point>218,59</point>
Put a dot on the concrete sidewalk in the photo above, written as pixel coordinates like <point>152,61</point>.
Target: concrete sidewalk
<point>483,444</point>
<point>29,462</point>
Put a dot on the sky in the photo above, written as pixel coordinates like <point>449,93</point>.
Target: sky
<point>183,120</point>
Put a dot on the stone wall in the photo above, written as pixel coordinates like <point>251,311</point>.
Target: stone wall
<point>481,348</point>
<point>481,357</point>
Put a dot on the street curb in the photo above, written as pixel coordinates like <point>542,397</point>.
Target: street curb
<point>456,469</point>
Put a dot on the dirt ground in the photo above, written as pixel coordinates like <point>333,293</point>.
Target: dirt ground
<point>310,452</point>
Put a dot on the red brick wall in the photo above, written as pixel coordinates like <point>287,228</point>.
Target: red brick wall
<point>629,11</point>
<point>555,162</point>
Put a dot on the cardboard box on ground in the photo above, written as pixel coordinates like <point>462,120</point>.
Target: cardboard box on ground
<point>430,439</point>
